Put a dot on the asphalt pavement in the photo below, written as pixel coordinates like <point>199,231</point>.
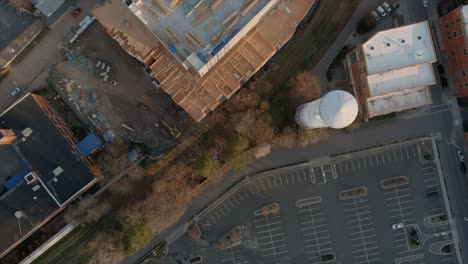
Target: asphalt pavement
<point>35,66</point>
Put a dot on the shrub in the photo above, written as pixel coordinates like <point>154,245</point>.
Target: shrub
<point>136,237</point>
<point>235,153</point>
<point>206,166</point>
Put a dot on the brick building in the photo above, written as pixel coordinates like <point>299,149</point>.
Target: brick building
<point>453,28</point>
<point>392,71</point>
<point>41,169</point>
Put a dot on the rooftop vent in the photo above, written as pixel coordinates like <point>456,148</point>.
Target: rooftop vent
<point>57,171</point>
<point>371,47</point>
<point>27,132</point>
<point>36,187</point>
<point>29,178</point>
<point>388,44</point>
<point>419,37</point>
<point>402,41</point>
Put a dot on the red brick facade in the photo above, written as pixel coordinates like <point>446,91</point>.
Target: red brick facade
<point>454,36</point>
<point>358,73</point>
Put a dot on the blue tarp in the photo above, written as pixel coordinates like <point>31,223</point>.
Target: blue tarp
<point>89,144</point>
<point>13,181</point>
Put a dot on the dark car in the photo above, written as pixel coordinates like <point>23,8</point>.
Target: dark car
<point>443,81</point>
<point>440,68</point>
<point>463,168</point>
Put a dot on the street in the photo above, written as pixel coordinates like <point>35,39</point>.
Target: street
<point>36,65</point>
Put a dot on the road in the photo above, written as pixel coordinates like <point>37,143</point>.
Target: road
<point>433,123</point>
<point>34,67</point>
<point>412,11</point>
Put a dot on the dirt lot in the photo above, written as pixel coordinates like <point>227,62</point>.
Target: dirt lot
<point>132,108</point>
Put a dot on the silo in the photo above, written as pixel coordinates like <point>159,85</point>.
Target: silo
<point>336,109</point>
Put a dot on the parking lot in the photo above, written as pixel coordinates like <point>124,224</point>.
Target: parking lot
<point>382,205</point>
<point>12,23</point>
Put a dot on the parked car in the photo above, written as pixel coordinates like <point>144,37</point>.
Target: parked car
<point>461,156</point>
<point>386,6</point>
<point>462,168</point>
<point>381,11</point>
<point>443,81</point>
<point>76,12</point>
<point>424,2</point>
<point>397,226</point>
<point>375,15</point>
<point>440,68</point>
<point>15,92</point>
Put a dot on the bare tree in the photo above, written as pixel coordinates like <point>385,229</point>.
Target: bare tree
<point>304,87</point>
<point>22,5</point>
<point>107,247</point>
<point>89,210</point>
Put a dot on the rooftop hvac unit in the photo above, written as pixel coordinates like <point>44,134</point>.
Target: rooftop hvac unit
<point>27,132</point>
<point>57,171</point>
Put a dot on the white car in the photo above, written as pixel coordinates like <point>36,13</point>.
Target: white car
<point>375,15</point>
<point>461,156</point>
<point>15,92</point>
<point>381,11</point>
<point>424,2</point>
<point>386,6</point>
<point>397,226</point>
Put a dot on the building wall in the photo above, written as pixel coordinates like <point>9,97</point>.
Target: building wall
<point>358,73</point>
<point>455,41</point>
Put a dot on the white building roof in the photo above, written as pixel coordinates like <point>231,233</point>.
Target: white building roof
<point>399,65</point>
<point>401,79</point>
<point>338,109</point>
<point>399,48</point>
<point>395,102</point>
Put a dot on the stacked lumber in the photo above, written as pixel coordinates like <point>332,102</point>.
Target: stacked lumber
<point>193,40</point>
<point>249,7</point>
<point>175,3</point>
<point>231,16</point>
<point>171,33</point>
<point>233,23</point>
<point>210,25</point>
<point>216,37</point>
<point>216,5</point>
<point>200,18</point>
<point>161,6</point>
<point>152,11</point>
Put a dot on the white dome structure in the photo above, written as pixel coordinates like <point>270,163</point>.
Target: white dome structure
<point>336,109</point>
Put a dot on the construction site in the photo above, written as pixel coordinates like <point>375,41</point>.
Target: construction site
<point>202,51</point>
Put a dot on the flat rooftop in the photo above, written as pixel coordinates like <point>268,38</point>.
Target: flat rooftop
<point>197,31</point>
<point>399,48</point>
<point>30,185</point>
<point>401,79</point>
<point>395,102</point>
